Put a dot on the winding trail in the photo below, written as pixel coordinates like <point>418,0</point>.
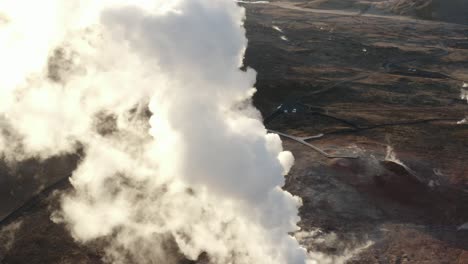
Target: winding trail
<point>303,140</point>
<point>293,6</point>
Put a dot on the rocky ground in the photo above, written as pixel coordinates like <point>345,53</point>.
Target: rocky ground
<point>408,191</point>
<point>385,89</point>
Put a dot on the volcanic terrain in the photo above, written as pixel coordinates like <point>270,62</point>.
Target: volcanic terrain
<point>380,91</point>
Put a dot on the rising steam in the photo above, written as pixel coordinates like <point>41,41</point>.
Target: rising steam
<point>174,151</point>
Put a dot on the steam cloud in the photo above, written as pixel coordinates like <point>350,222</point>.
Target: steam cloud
<point>151,91</point>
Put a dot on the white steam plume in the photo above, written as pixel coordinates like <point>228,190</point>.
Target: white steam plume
<point>464,92</point>
<point>464,96</point>
<point>203,173</point>
<point>7,237</point>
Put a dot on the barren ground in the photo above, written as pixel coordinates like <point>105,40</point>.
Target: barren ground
<point>337,65</point>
